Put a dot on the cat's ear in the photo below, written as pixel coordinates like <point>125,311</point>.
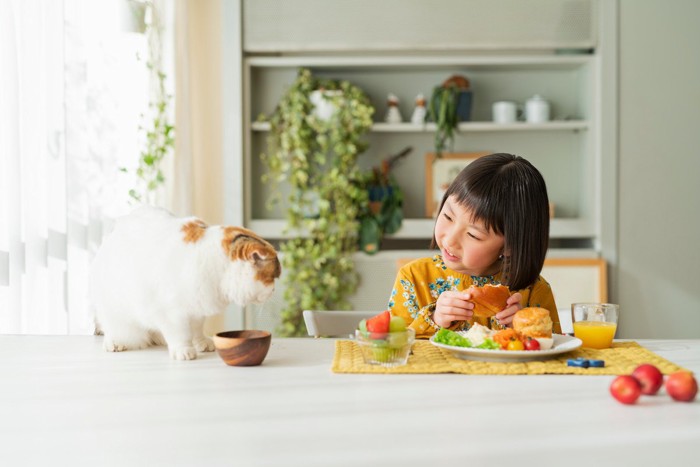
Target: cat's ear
<point>266,263</point>
<point>260,253</point>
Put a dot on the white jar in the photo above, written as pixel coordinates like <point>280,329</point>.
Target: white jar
<point>536,110</point>
<point>505,112</point>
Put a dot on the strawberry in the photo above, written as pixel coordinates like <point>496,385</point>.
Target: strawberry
<point>379,323</point>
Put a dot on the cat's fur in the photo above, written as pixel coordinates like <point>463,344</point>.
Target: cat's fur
<point>157,277</point>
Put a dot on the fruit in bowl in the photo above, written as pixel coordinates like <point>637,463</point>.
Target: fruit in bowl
<point>385,340</point>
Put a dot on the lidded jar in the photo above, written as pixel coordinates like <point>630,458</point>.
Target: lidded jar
<point>536,110</point>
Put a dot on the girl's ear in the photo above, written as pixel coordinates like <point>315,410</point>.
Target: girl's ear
<point>504,254</point>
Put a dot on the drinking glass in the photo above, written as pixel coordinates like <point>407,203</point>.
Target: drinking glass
<point>595,323</point>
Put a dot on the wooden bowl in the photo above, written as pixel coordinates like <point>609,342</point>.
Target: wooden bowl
<point>242,348</point>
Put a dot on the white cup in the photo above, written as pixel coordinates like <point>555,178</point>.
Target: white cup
<point>505,112</point>
<point>536,110</point>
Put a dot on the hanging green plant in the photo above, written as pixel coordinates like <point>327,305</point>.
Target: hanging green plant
<point>317,155</point>
<point>450,103</point>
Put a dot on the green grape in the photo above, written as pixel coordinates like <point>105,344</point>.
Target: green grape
<point>362,326</point>
<point>398,339</point>
<point>382,354</point>
<point>397,324</point>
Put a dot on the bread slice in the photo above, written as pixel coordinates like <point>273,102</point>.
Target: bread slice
<point>489,299</point>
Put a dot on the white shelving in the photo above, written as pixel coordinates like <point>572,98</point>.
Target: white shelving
<point>423,229</point>
<point>575,151</point>
<point>566,149</point>
<point>431,62</point>
<point>564,125</point>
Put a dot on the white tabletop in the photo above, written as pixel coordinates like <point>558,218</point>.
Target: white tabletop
<point>64,401</point>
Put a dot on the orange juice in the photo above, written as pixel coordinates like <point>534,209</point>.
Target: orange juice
<point>595,334</point>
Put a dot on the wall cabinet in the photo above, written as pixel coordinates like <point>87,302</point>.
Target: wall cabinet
<point>563,149</point>
<point>573,150</point>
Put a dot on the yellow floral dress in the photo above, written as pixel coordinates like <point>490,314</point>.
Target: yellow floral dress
<point>419,284</point>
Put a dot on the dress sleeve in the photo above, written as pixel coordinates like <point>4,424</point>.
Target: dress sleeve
<point>404,302</point>
<point>543,297</point>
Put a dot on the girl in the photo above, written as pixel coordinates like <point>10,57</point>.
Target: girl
<point>492,228</point>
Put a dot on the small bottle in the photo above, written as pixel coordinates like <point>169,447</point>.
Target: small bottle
<point>393,114</point>
<point>418,117</point>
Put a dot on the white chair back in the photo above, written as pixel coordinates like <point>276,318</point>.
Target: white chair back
<point>334,323</point>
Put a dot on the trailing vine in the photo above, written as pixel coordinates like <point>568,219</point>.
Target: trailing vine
<point>318,159</point>
<point>158,129</point>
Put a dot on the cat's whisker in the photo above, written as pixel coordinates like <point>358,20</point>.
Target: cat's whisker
<point>260,309</point>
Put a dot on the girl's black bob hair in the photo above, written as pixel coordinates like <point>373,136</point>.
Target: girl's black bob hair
<point>508,194</point>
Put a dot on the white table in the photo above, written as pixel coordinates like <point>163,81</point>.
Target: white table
<point>64,401</point>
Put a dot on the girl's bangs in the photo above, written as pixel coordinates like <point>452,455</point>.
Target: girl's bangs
<point>484,208</point>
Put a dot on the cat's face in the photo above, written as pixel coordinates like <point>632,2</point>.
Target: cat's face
<point>254,266</point>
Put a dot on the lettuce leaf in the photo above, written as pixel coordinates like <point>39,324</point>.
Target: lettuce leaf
<point>447,337</point>
<point>489,344</point>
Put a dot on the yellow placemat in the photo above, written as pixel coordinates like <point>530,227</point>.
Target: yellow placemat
<point>621,359</point>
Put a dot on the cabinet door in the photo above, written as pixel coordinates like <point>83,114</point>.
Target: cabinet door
<point>415,25</point>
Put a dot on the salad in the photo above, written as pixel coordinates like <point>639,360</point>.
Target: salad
<point>448,337</point>
<point>481,337</point>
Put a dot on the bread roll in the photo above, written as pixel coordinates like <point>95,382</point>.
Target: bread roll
<point>489,300</point>
<point>533,322</point>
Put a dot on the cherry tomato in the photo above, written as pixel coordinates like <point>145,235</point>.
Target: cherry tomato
<point>532,344</point>
<point>515,345</point>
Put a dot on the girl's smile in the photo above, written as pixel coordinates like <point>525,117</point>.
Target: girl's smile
<point>467,246</point>
<point>449,256</point>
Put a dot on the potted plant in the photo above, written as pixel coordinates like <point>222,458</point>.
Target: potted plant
<point>383,214</point>
<point>450,103</point>
<point>318,158</point>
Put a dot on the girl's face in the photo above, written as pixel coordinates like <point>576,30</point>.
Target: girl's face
<point>466,245</point>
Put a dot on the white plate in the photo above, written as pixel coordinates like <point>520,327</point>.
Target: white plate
<point>562,344</point>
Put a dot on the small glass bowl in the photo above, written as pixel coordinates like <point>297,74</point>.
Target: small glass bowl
<point>388,349</point>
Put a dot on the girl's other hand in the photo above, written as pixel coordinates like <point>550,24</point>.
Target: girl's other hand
<point>505,317</point>
<point>453,306</point>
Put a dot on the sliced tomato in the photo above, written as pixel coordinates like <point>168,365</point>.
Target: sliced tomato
<point>379,323</point>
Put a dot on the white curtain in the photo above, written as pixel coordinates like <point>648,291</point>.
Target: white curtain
<point>73,88</point>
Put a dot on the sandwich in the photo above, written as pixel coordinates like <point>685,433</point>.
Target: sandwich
<point>534,323</point>
<point>488,300</point>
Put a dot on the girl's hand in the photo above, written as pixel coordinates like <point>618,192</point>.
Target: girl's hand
<point>453,306</point>
<point>505,317</point>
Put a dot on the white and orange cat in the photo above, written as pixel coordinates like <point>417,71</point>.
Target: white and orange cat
<point>157,277</point>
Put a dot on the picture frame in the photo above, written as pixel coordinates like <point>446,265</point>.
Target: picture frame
<point>439,173</point>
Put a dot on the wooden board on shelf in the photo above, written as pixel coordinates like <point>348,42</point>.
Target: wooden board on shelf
<point>577,279</point>
<point>439,173</point>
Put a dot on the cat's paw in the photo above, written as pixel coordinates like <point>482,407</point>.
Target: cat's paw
<point>157,338</point>
<point>183,353</point>
<point>111,346</point>
<point>204,344</point>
